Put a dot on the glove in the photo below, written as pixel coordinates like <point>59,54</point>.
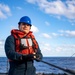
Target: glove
<point>37,57</point>
<point>27,57</point>
<point>31,57</point>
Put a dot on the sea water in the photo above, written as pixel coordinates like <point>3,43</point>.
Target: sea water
<point>63,62</point>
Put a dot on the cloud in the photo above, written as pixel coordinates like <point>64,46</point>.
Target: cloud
<point>4,11</point>
<point>57,50</point>
<point>65,49</point>
<point>47,23</point>
<point>19,8</point>
<point>54,34</point>
<point>46,35</point>
<point>57,7</point>
<point>70,33</point>
<point>45,48</point>
<point>34,29</point>
<point>67,33</point>
<point>2,52</point>
<point>60,33</point>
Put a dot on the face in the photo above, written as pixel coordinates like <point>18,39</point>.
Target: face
<point>24,27</point>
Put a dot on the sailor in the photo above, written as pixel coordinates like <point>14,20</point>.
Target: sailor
<point>21,49</point>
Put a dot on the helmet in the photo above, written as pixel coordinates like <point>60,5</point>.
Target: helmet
<point>25,19</point>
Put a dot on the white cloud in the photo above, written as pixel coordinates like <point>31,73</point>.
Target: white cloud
<point>57,7</point>
<point>65,49</point>
<point>2,52</point>
<point>54,34</point>
<point>58,49</point>
<point>19,8</point>
<point>4,11</point>
<point>34,29</point>
<point>60,33</point>
<point>1,42</point>
<point>46,35</point>
<point>45,48</point>
<point>70,33</point>
<point>67,33</point>
<point>31,1</point>
<point>47,23</point>
<point>2,15</point>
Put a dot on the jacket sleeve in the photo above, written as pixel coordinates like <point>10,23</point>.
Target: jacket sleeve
<point>10,49</point>
<point>39,53</point>
<point>36,47</point>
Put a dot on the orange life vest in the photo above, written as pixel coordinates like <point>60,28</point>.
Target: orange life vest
<point>24,44</point>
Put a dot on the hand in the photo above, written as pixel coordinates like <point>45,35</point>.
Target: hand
<point>27,57</point>
<point>38,60</point>
<point>37,57</point>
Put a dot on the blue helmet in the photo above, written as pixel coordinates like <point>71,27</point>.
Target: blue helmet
<point>25,19</point>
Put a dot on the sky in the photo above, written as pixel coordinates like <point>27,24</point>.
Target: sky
<point>53,24</point>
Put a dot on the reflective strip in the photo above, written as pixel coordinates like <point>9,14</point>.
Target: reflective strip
<point>24,42</point>
<point>30,42</point>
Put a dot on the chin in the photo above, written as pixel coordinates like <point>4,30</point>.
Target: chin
<point>26,32</point>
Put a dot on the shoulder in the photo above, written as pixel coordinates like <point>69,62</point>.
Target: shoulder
<point>10,38</point>
<point>32,35</point>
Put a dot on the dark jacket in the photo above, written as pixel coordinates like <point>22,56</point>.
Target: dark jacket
<point>18,66</point>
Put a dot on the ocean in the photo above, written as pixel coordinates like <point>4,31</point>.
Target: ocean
<point>64,62</point>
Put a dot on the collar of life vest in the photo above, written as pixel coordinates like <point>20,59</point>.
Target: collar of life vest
<point>20,34</point>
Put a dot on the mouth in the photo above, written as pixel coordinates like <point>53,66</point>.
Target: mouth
<point>24,29</point>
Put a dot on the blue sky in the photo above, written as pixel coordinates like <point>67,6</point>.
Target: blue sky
<point>53,24</point>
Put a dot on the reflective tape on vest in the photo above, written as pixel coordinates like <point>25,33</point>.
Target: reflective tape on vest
<point>26,42</point>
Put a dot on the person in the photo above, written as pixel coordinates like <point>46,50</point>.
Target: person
<point>22,49</point>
